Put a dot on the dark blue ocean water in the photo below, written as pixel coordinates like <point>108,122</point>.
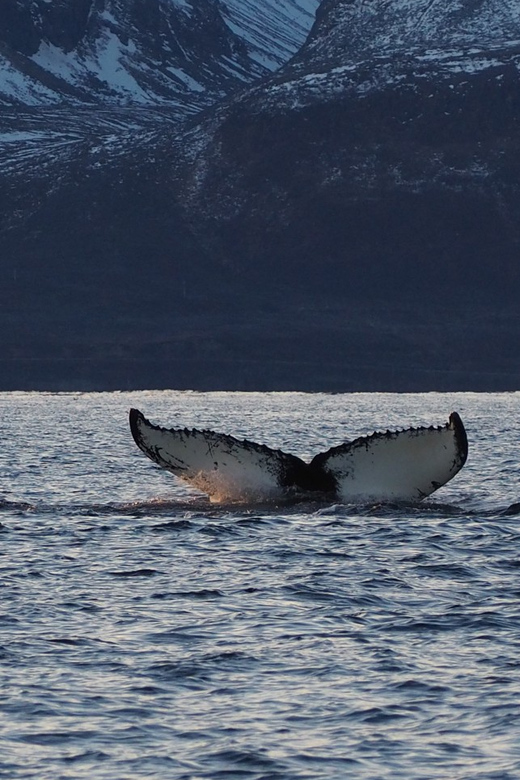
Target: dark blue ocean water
<point>147,634</point>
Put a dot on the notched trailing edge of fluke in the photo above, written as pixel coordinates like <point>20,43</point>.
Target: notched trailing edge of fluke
<point>136,418</point>
<point>406,464</point>
<point>461,437</point>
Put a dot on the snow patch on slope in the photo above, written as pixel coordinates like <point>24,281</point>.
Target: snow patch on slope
<point>20,88</point>
<point>105,64</point>
<point>353,30</point>
<point>183,53</point>
<point>273,30</point>
<point>108,67</point>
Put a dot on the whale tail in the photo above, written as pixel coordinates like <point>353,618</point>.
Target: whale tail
<point>397,465</point>
<point>401,465</point>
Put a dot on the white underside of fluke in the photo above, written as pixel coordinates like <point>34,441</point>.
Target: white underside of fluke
<point>403,465</point>
<point>400,466</point>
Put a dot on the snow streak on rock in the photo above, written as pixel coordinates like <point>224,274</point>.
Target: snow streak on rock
<point>186,54</point>
<point>359,47</point>
<point>273,29</point>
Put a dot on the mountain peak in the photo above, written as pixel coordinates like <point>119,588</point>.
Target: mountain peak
<point>185,54</point>
<point>355,30</point>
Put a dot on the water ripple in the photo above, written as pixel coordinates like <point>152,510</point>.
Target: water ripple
<point>149,634</point>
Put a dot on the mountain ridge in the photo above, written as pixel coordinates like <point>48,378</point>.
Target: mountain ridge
<point>185,54</point>
<point>339,224</point>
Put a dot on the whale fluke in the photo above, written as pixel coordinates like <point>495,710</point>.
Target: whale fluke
<point>393,466</point>
<point>399,465</point>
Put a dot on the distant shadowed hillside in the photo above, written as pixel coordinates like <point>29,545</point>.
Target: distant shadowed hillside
<point>348,222</point>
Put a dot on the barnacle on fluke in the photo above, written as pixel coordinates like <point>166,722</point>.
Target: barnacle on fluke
<point>393,466</point>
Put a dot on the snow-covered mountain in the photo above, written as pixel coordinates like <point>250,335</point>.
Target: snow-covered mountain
<point>353,31</point>
<point>75,76</point>
<point>357,48</point>
<point>353,215</point>
<point>182,53</point>
<point>273,30</point>
<point>385,97</point>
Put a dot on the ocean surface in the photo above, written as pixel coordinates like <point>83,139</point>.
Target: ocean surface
<point>145,633</point>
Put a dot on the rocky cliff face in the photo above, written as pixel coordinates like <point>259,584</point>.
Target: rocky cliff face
<point>181,53</point>
<point>349,222</point>
<point>353,31</point>
<point>384,153</point>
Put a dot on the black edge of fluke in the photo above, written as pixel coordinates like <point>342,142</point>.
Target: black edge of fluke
<point>292,472</point>
<point>134,416</point>
<point>460,436</point>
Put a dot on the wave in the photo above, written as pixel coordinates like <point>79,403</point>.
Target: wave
<point>201,508</point>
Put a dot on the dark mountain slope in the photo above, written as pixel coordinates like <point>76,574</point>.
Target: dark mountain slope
<point>409,189</point>
<point>346,224</point>
<point>392,179</point>
<point>356,30</point>
<point>181,53</point>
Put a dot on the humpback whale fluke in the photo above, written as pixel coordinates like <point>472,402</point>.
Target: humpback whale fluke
<point>393,466</point>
